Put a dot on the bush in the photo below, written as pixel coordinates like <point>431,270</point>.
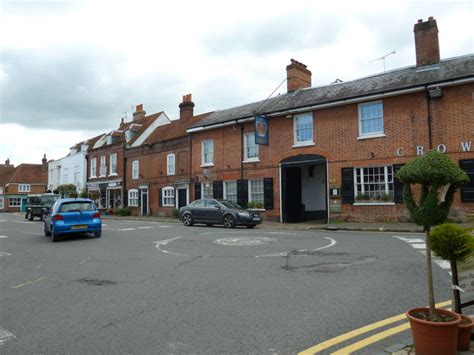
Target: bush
<point>175,213</point>
<point>83,194</point>
<point>124,211</point>
<point>254,204</point>
<point>452,242</point>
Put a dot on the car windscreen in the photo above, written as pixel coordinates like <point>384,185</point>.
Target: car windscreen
<point>48,199</point>
<point>34,201</point>
<point>229,204</point>
<point>77,206</point>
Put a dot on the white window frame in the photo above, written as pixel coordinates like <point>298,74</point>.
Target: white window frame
<point>113,165</point>
<point>24,188</point>
<point>170,167</point>
<point>205,163</point>
<point>226,192</point>
<point>250,199</point>
<point>133,197</point>
<point>296,142</point>
<point>203,188</point>
<point>363,183</point>
<point>10,199</point>
<point>93,168</point>
<point>2,202</point>
<point>103,166</point>
<point>371,134</point>
<point>135,169</point>
<point>168,196</point>
<point>248,159</point>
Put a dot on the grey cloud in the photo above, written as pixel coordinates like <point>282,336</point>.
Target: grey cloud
<point>290,32</point>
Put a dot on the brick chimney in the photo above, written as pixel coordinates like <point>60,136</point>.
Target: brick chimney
<point>44,162</point>
<point>186,108</point>
<point>426,42</point>
<point>7,162</point>
<point>139,112</point>
<point>297,76</point>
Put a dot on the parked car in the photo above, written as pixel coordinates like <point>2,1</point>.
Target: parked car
<point>212,211</point>
<point>38,205</point>
<point>72,215</point>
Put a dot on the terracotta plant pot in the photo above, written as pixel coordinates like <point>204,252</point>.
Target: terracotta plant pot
<point>464,334</point>
<point>434,338</point>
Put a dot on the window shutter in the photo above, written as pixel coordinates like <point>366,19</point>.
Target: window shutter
<point>139,195</point>
<point>397,185</point>
<point>218,189</point>
<point>268,193</point>
<point>197,190</point>
<point>243,192</point>
<point>160,197</point>
<point>347,188</point>
<point>467,191</point>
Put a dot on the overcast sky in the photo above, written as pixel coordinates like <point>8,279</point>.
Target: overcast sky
<point>70,69</point>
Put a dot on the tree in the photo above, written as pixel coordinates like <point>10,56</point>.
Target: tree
<point>67,190</point>
<point>439,178</point>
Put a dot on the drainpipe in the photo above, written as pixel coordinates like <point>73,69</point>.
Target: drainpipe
<point>190,164</point>
<point>428,112</point>
<point>241,152</point>
<point>87,173</point>
<point>124,181</point>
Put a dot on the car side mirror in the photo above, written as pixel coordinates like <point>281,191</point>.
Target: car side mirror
<point>218,207</point>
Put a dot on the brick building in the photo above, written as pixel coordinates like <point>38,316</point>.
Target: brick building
<point>106,158</point>
<point>18,182</point>
<point>158,171</point>
<point>333,150</point>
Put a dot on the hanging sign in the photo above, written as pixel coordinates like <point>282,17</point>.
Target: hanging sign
<point>261,130</point>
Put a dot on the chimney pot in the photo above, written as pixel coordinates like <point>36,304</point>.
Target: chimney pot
<point>139,113</point>
<point>186,108</point>
<point>420,20</point>
<point>426,42</point>
<point>297,76</point>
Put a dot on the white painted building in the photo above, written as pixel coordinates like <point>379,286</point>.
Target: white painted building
<point>72,169</point>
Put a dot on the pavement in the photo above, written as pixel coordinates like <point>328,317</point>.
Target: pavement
<point>342,226</point>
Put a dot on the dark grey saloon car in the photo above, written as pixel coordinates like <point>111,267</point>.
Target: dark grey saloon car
<point>212,211</point>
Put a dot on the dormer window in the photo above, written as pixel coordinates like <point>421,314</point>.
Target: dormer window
<point>109,140</point>
<point>128,135</point>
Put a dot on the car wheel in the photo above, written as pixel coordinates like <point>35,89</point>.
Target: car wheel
<point>98,234</point>
<point>251,226</point>
<point>187,220</point>
<point>229,221</point>
<point>209,224</point>
<point>46,232</point>
<point>54,236</point>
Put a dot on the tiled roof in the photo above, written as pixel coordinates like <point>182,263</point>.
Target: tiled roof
<point>175,129</point>
<point>29,174</point>
<point>5,174</point>
<point>449,69</point>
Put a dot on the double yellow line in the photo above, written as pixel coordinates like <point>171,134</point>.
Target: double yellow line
<point>367,341</point>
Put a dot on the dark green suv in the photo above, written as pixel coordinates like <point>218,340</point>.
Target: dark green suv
<point>38,205</point>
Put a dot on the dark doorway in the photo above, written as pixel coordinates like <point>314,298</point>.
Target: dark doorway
<point>144,201</point>
<point>293,206</point>
<point>304,188</point>
<point>182,194</point>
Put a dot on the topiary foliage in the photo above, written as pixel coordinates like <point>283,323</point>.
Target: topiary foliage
<point>432,171</point>
<point>452,242</point>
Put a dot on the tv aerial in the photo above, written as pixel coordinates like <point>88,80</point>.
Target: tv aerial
<point>382,58</point>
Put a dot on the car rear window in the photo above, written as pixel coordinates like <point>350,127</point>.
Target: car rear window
<point>77,206</point>
<point>48,199</point>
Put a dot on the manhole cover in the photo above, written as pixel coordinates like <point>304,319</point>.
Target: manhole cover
<point>244,241</point>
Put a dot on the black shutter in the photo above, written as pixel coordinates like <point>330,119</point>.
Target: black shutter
<point>160,197</point>
<point>139,198</point>
<point>218,189</point>
<point>347,188</point>
<point>467,191</point>
<point>197,190</point>
<point>397,185</point>
<point>268,193</point>
<point>243,192</point>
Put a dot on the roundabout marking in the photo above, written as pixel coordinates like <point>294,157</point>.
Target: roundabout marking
<point>159,243</point>
<point>285,254</point>
<point>244,241</point>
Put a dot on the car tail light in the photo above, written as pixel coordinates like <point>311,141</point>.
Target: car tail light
<point>58,217</point>
<point>96,215</point>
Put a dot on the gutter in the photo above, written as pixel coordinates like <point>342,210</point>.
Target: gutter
<point>419,88</point>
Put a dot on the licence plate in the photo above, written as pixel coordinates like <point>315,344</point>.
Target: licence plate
<point>256,219</point>
<point>79,226</point>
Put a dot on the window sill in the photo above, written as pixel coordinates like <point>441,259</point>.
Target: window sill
<point>207,165</point>
<point>251,160</point>
<point>101,176</point>
<point>303,144</point>
<point>92,177</point>
<point>369,136</point>
<point>374,203</point>
<point>114,174</point>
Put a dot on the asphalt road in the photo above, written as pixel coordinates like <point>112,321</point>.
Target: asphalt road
<point>153,288</point>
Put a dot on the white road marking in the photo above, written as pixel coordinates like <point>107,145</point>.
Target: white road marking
<point>126,229</point>
<point>2,253</point>
<point>104,225</point>
<point>21,222</point>
<point>28,282</point>
<point>159,243</point>
<point>3,220</point>
<point>419,246</point>
<point>3,237</point>
<point>24,232</point>
<point>84,261</point>
<point>163,226</point>
<point>148,227</point>
<point>5,335</point>
<point>333,242</point>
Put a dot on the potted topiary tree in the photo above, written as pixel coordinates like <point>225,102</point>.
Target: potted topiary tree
<point>454,243</point>
<point>434,330</point>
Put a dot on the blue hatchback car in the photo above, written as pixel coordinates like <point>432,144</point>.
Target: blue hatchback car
<point>72,215</point>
